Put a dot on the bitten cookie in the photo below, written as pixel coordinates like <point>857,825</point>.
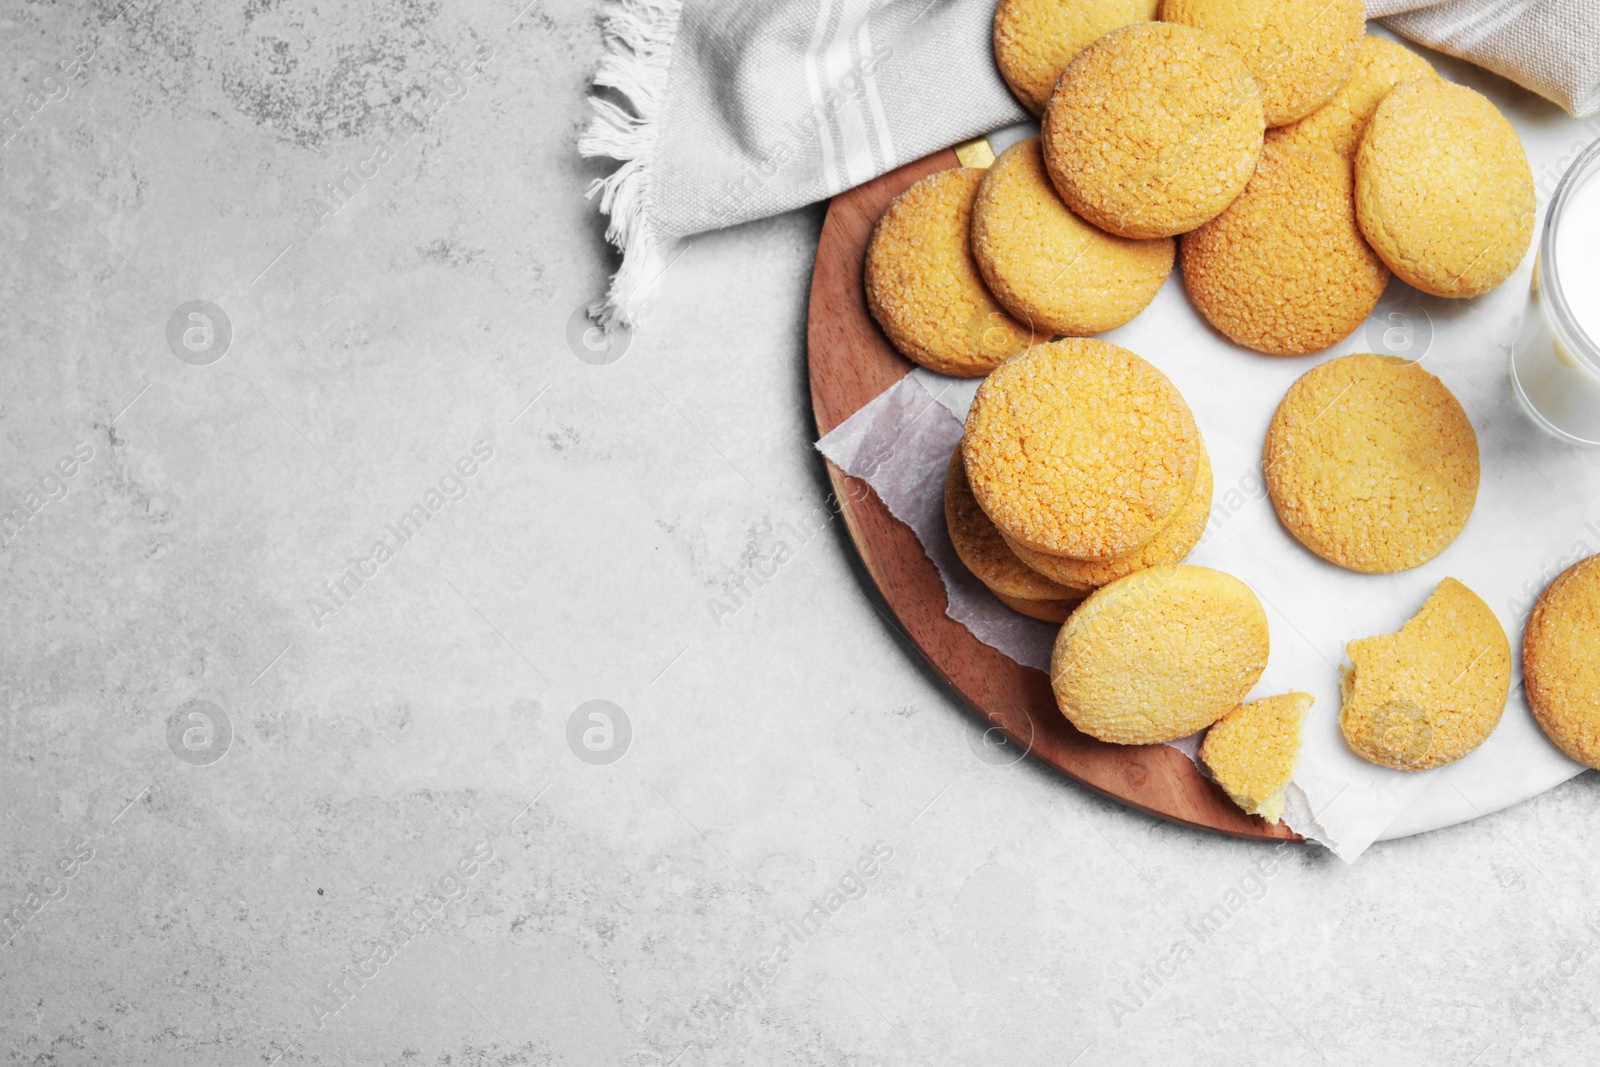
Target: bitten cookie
<point>923,287</point>
<point>1152,130</point>
<point>1047,266</point>
<point>1561,661</point>
<point>1285,269</point>
<point>1252,751</point>
<point>1159,654</point>
<point>986,555</point>
<point>1300,51</point>
<point>1034,40</point>
<point>1432,692</point>
<point>1170,545</point>
<point>1371,463</point>
<point>1080,448</point>
<point>1337,126</point>
<point>1443,189</point>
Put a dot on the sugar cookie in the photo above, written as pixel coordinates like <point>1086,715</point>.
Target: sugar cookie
<point>1170,545</point>
<point>1371,463</point>
<point>1432,692</point>
<point>1080,448</point>
<point>1252,751</point>
<point>1300,51</point>
<point>1152,130</point>
<point>924,289</point>
<point>1443,189</point>
<point>1337,126</point>
<point>1159,654</point>
<point>987,556</point>
<point>1048,267</point>
<point>1034,40</point>
<point>1285,269</point>
<point>1561,661</point>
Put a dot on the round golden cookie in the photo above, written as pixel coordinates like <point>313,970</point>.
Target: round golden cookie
<point>980,546</point>
<point>1432,692</point>
<point>1152,130</point>
<point>1285,269</point>
<point>1043,610</point>
<point>1170,545</point>
<point>1561,661</point>
<point>1371,463</point>
<point>1252,752</point>
<point>1080,448</point>
<point>1337,126</point>
<point>923,287</point>
<point>1047,266</point>
<point>1300,51</point>
<point>1159,654</point>
<point>1034,40</point>
<point>1443,189</point>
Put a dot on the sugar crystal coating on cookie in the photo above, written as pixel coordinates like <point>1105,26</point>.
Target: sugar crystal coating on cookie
<point>1432,692</point>
<point>1159,654</point>
<point>1561,661</point>
<point>923,287</point>
<point>1285,270</point>
<point>984,552</point>
<point>1371,463</point>
<point>1337,126</point>
<point>1252,751</point>
<point>1444,193</point>
<point>1152,130</point>
<point>1080,448</point>
<point>1034,40</point>
<point>1048,267</point>
<point>1300,51</point>
<point>1171,544</point>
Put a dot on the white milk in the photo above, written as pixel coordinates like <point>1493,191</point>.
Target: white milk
<point>1555,366</point>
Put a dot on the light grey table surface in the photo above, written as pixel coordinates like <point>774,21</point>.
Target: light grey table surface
<point>409,743</point>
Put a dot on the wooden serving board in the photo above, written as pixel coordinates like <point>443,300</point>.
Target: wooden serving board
<point>851,362</point>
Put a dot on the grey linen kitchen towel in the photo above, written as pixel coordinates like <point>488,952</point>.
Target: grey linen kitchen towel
<point>724,111</point>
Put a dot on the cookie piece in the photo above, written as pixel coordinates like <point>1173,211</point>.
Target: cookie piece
<point>1285,269</point>
<point>1337,126</point>
<point>1371,463</point>
<point>1443,189</point>
<point>1300,51</point>
<point>923,288</point>
<point>1048,267</point>
<point>1153,130</point>
<point>1159,654</point>
<point>1252,751</point>
<point>1034,40</point>
<point>1432,692</point>
<point>1561,661</point>
<point>1080,448</point>
<point>986,555</point>
<point>1170,545</point>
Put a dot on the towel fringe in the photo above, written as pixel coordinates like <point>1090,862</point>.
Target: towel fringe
<point>639,35</point>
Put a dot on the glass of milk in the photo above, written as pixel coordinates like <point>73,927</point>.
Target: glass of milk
<point>1555,365</point>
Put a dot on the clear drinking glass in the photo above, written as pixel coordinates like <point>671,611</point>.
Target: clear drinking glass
<point>1555,364</point>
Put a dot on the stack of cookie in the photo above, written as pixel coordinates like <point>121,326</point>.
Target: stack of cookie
<point>1081,464</point>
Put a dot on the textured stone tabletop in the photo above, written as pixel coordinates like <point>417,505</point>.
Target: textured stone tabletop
<point>314,583</point>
